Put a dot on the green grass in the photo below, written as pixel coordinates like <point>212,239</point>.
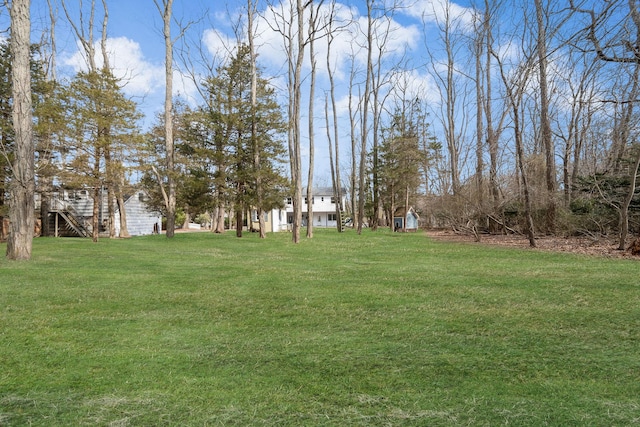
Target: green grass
<point>381,329</point>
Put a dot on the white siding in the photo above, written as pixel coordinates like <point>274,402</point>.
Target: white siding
<point>140,221</point>
<point>323,206</point>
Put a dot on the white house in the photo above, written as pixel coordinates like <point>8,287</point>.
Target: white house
<point>324,211</point>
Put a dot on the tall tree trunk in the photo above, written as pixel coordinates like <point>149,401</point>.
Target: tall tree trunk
<point>392,207</point>
<point>312,90</point>
<point>334,164</point>
<point>364,129</point>
<point>109,181</point>
<point>220,219</point>
<point>452,142</point>
<point>514,90</point>
<point>45,208</point>
<point>45,183</point>
<point>239,221</point>
<point>97,209</point>
<point>166,11</point>
<point>110,168</point>
<point>376,217</point>
<point>251,10</point>
<point>545,124</point>
<point>479,123</point>
<point>22,205</point>
<point>295,52</point>
<point>332,167</point>
<point>492,137</point>
<point>352,127</point>
<point>111,208</point>
<point>406,209</point>
<point>124,229</point>
<point>523,177</point>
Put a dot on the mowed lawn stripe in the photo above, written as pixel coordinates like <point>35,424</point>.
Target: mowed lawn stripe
<point>342,329</point>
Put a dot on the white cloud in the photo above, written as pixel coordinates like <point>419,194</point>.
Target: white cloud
<point>348,42</point>
<point>410,84</point>
<point>219,45</point>
<point>437,11</point>
<point>139,76</point>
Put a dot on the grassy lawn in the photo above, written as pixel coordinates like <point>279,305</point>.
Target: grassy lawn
<point>380,329</point>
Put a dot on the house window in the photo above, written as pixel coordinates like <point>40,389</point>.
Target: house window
<point>331,217</point>
<point>333,200</point>
<point>254,216</point>
<point>322,199</point>
<point>289,200</point>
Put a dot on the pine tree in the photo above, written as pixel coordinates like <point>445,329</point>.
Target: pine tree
<point>241,132</point>
<point>101,125</point>
<point>401,158</point>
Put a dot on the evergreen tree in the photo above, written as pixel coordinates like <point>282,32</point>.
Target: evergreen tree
<point>238,133</point>
<point>402,158</point>
<point>101,127</point>
<point>193,178</point>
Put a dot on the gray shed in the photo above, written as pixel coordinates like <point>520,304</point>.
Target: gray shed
<point>408,222</point>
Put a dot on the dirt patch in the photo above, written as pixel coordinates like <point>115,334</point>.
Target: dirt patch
<point>603,247</point>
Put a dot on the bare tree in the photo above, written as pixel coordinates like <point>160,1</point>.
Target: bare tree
<point>381,79</point>
<point>313,24</point>
<point>334,142</point>
<point>353,115</point>
<point>493,131</point>
<point>251,13</point>
<point>622,47</point>
<point>580,86</point>
<point>169,194</point>
<point>515,84</point>
<point>22,205</point>
<point>451,88</point>
<point>611,36</point>
<point>113,178</point>
<point>478,46</point>
<point>85,38</point>
<point>296,83</point>
<point>545,122</point>
<point>115,169</point>
<point>364,125</point>
<point>46,128</point>
<point>290,24</point>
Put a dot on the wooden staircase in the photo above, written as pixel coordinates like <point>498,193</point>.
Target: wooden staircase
<point>66,223</point>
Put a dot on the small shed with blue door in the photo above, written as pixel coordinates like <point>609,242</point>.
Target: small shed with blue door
<point>408,222</point>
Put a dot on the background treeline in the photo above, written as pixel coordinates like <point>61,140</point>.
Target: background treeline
<point>519,117</point>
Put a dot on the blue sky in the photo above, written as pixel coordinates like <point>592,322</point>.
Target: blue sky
<point>413,59</point>
<point>136,49</point>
